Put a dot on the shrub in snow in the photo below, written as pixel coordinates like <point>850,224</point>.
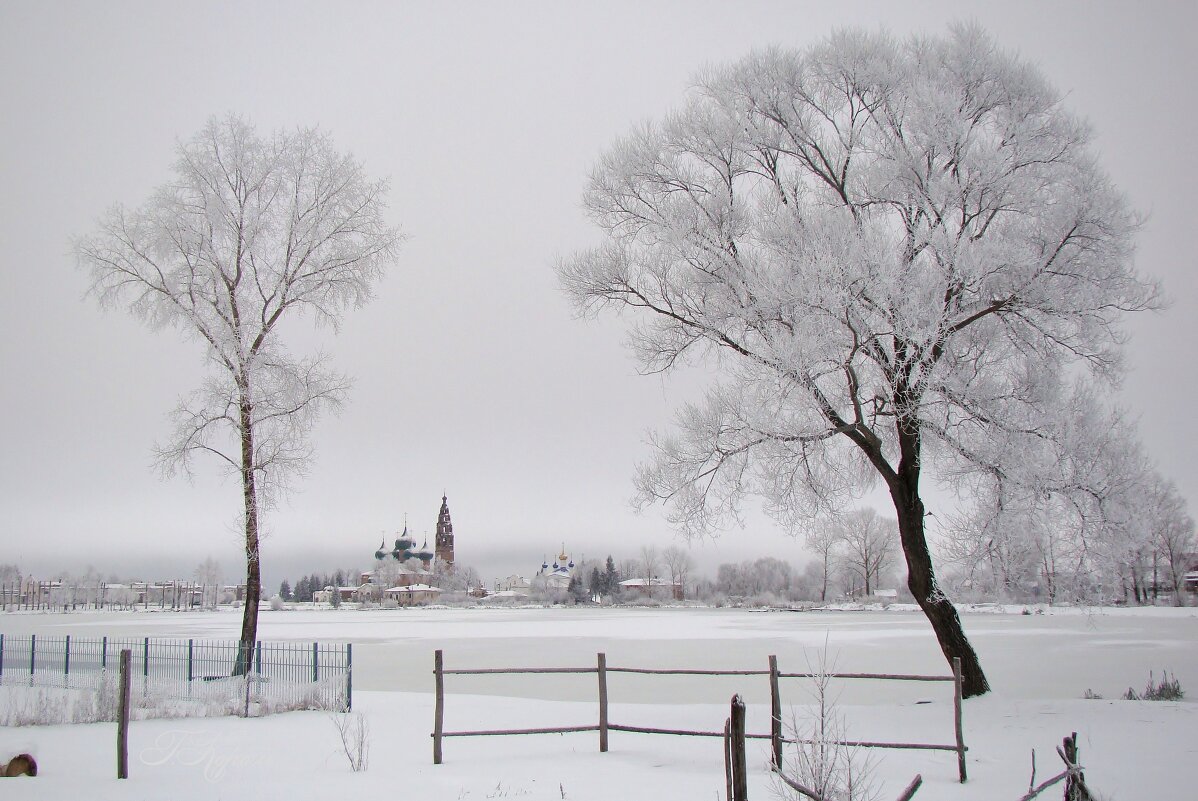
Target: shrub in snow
<point>819,761</point>
<point>1168,689</point>
<point>95,702</point>
<point>355,738</point>
<point>276,603</point>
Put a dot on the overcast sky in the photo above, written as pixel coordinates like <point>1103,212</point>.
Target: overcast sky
<point>471,375</point>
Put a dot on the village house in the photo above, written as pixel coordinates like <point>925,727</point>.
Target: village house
<point>656,587</point>
<point>413,595</point>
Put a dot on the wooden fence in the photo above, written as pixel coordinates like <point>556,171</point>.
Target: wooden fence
<point>283,674</point>
<point>604,725</point>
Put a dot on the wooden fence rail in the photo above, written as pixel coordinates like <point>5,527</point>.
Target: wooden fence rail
<point>775,736</point>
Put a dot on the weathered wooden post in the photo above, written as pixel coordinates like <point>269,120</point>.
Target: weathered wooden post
<point>957,718</point>
<point>603,703</point>
<point>1075,782</point>
<point>740,778</point>
<point>439,711</point>
<point>122,716</point>
<point>775,713</point>
<point>728,758</point>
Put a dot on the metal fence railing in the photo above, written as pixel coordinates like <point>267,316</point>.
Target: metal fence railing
<point>280,675</point>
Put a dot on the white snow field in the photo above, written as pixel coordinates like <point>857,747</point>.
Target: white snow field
<point>1039,665</point>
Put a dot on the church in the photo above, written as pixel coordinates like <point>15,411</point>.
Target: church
<point>405,546</point>
<point>394,576</point>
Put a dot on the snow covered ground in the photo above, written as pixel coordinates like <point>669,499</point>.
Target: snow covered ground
<point>1039,664</point>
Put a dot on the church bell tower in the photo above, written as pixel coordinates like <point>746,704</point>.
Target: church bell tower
<point>444,533</point>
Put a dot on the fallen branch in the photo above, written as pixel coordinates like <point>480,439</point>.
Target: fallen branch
<point>1075,789</point>
<point>906,795</point>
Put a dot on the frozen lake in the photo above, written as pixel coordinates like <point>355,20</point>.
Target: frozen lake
<point>1071,649</point>
<point>1038,664</point>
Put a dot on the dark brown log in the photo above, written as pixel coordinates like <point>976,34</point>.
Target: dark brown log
<point>602,669</point>
<point>728,757</point>
<point>486,671</point>
<point>678,732</point>
<point>882,676</point>
<point>909,793</point>
<point>798,787</point>
<point>667,672</point>
<point>502,732</point>
<point>958,681</point>
<point>775,713</point>
<point>439,713</point>
<point>122,716</point>
<point>740,770</point>
<point>869,744</point>
<point>1075,783</point>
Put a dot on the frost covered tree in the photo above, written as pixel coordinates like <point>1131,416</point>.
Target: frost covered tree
<point>1174,541</point>
<point>824,542</point>
<point>249,232</point>
<point>868,545</point>
<point>891,250</point>
<point>1082,515</point>
<point>650,565</point>
<point>679,563</point>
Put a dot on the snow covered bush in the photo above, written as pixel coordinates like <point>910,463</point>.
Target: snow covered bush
<point>1167,689</point>
<point>354,730</point>
<point>819,762</point>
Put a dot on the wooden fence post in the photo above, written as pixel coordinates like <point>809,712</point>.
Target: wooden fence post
<point>439,712</point>
<point>603,703</point>
<point>775,713</point>
<point>957,718</point>
<point>122,717</point>
<point>740,778</point>
<point>728,758</point>
<point>1075,783</point>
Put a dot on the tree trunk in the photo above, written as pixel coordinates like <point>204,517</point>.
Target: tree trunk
<point>253,577</point>
<point>921,577</point>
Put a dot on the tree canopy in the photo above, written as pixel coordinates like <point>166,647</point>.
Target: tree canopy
<point>898,253</point>
<point>250,231</point>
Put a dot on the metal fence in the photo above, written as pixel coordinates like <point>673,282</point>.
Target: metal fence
<point>280,676</point>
